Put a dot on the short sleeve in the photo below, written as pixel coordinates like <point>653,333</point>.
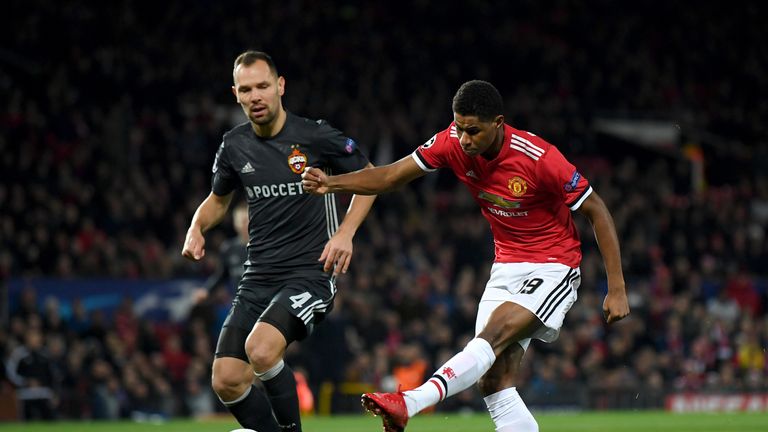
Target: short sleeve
<point>224,179</point>
<point>563,179</point>
<point>341,153</point>
<point>434,153</point>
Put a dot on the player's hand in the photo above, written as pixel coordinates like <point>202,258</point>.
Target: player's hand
<point>337,253</point>
<point>194,245</point>
<point>314,181</point>
<point>615,306</point>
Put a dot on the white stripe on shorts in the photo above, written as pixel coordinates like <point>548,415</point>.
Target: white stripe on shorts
<point>307,312</point>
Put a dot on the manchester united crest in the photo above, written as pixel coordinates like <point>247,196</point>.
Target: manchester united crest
<point>517,186</point>
<point>297,160</point>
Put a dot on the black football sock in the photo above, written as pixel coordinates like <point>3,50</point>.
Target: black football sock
<point>252,411</point>
<point>280,385</point>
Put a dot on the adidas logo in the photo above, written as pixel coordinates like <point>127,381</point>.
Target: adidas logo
<point>472,174</point>
<point>247,168</point>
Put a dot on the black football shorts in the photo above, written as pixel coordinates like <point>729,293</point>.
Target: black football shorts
<point>293,306</point>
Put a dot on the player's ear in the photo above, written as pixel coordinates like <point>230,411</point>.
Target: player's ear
<point>498,121</point>
<point>281,86</point>
<point>234,92</point>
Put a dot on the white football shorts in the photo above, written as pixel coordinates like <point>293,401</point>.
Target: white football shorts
<point>548,290</point>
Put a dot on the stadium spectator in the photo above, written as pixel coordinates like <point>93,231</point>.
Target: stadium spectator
<point>31,371</point>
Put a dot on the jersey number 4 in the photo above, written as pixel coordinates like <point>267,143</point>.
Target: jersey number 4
<point>530,285</point>
<point>299,299</point>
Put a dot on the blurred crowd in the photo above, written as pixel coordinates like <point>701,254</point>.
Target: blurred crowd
<point>111,119</point>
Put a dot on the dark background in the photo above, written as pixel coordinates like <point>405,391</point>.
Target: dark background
<point>111,113</point>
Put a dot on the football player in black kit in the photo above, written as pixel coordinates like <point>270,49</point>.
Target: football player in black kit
<point>295,242</point>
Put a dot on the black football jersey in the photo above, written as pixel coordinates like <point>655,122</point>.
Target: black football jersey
<point>232,255</point>
<point>288,227</point>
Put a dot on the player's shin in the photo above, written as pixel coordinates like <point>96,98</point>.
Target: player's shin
<point>280,384</point>
<point>457,374</point>
<point>252,411</point>
<point>509,413</point>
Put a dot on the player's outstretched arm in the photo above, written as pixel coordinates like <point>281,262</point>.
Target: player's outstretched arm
<point>210,212</point>
<point>367,181</point>
<point>615,305</point>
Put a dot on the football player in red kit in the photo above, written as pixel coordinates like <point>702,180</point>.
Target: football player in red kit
<point>527,190</point>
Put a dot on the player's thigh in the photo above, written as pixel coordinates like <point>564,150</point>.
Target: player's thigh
<point>546,290</point>
<point>265,344</point>
<point>246,309</point>
<point>509,323</point>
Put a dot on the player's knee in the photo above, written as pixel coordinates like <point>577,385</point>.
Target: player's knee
<point>261,361</point>
<point>512,332</point>
<point>261,356</point>
<point>509,323</point>
<point>229,384</point>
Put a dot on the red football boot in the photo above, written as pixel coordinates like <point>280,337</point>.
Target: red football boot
<point>391,408</point>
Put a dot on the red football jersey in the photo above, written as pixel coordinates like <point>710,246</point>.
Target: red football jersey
<point>527,194</point>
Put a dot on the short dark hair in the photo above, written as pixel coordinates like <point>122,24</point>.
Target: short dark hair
<point>250,57</point>
<point>478,98</point>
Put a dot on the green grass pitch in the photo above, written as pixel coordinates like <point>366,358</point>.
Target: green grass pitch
<point>548,422</point>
